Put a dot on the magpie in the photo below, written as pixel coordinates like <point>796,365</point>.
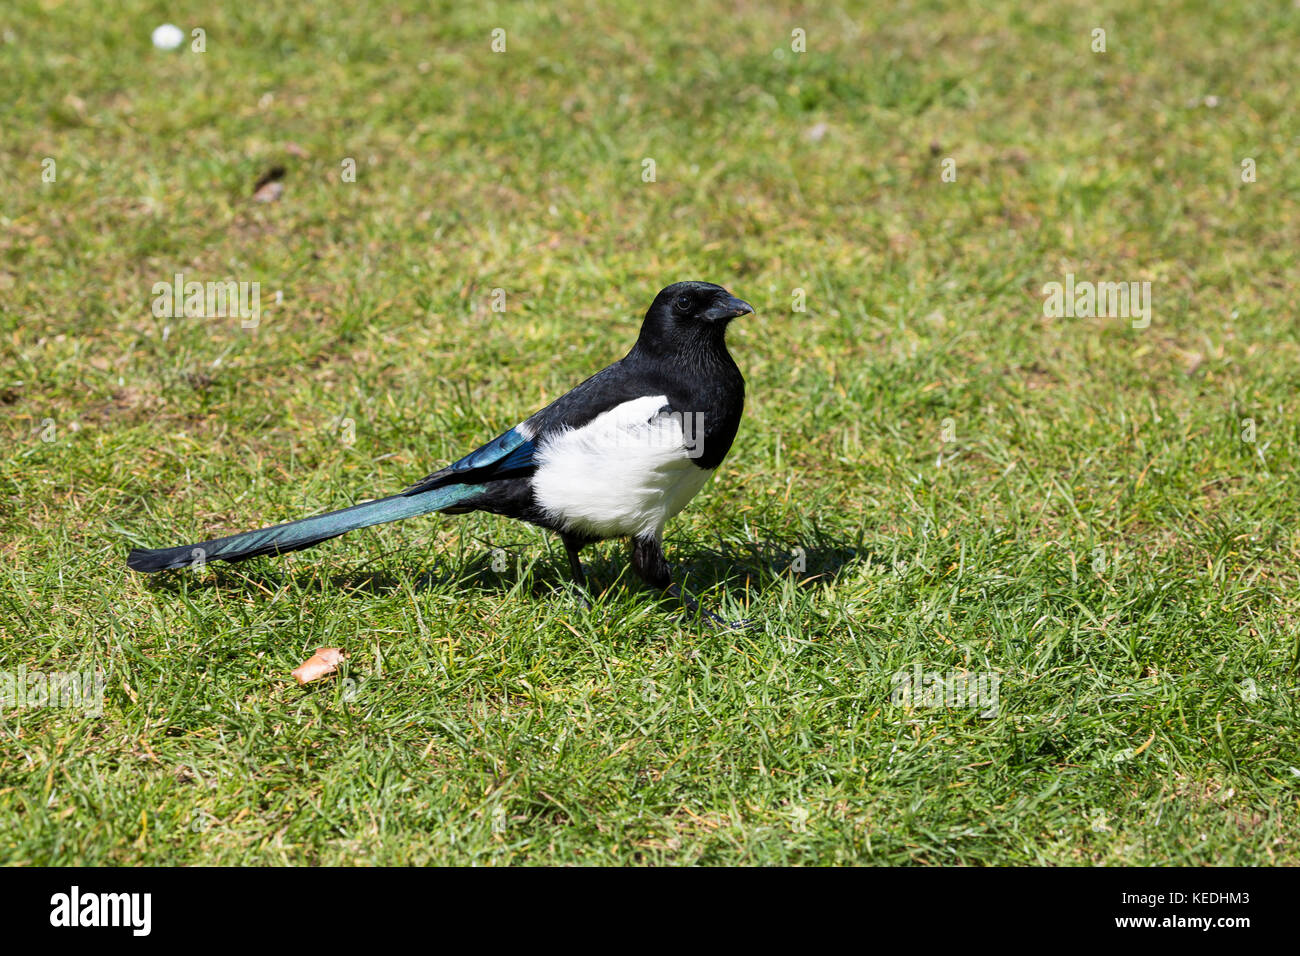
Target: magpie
<point>616,457</point>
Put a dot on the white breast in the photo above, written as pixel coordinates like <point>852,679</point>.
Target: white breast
<point>626,472</point>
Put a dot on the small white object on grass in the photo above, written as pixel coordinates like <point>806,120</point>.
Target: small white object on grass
<point>168,37</point>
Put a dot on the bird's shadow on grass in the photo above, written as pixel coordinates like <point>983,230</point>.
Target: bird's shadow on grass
<point>270,575</point>
<point>751,567</point>
<point>757,567</point>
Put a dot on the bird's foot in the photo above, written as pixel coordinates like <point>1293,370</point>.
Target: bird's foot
<point>696,611</point>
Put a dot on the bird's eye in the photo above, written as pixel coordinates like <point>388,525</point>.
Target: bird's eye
<point>684,303</point>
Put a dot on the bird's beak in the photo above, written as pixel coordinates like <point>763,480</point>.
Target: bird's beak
<point>728,307</point>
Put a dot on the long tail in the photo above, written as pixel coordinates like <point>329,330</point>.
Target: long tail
<point>297,535</point>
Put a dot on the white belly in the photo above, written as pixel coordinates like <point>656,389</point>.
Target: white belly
<point>626,472</point>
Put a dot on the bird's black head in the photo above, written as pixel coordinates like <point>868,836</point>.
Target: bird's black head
<point>690,314</point>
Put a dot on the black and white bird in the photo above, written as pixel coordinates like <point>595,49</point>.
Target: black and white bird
<point>615,457</point>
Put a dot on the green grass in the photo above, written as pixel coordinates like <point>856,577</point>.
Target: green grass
<point>1097,532</point>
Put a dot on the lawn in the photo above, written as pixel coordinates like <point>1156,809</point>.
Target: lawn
<point>1096,516</point>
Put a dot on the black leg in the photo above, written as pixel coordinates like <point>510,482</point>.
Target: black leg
<point>649,563</point>
<point>573,546</point>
